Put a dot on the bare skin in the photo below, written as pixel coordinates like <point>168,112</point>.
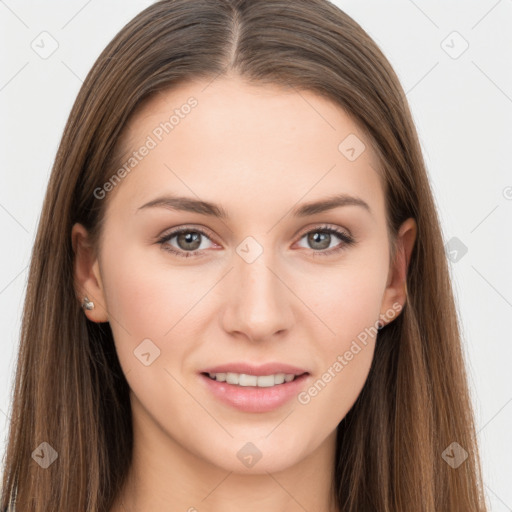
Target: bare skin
<point>259,152</point>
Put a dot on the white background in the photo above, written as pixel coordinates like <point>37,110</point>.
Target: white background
<point>463,111</point>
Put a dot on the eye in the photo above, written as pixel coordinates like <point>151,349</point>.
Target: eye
<point>320,238</point>
<point>189,241</point>
<point>186,238</point>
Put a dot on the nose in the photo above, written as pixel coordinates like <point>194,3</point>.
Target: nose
<point>258,302</point>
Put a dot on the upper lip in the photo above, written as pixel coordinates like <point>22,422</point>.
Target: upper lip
<point>251,369</point>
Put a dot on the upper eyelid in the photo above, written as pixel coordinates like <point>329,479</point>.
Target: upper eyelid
<point>176,231</point>
<point>324,226</point>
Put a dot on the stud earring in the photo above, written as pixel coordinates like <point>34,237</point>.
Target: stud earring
<point>87,304</point>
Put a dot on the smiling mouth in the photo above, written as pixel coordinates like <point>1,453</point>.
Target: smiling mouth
<point>260,381</point>
<point>254,393</point>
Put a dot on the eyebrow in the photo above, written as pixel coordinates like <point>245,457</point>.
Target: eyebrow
<point>191,205</point>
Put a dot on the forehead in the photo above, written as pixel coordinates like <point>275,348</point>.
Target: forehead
<point>228,140</point>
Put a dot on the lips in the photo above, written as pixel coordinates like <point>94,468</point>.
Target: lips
<point>250,398</point>
<point>253,399</point>
<point>250,369</point>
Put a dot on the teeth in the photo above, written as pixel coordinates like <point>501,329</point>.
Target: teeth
<point>262,381</point>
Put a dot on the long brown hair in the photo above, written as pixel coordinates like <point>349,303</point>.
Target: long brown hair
<point>70,391</point>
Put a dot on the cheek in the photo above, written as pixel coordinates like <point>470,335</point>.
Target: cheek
<point>144,303</point>
<point>150,299</point>
<point>346,300</point>
<point>144,296</point>
<point>148,305</point>
<point>347,307</point>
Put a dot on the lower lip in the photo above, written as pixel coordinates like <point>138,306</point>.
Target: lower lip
<point>254,398</point>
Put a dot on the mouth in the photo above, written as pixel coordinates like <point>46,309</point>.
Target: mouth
<point>248,380</point>
<point>254,393</point>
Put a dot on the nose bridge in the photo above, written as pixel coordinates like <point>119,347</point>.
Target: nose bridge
<point>259,304</point>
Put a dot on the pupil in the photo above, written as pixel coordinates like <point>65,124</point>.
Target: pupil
<point>323,244</point>
<point>190,238</point>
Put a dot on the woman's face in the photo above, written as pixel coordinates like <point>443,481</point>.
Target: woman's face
<point>258,276</point>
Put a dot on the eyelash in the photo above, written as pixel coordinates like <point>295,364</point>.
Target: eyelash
<point>346,239</point>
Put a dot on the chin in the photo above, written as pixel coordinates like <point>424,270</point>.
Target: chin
<point>258,456</point>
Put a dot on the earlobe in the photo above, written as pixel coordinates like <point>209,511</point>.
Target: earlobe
<point>87,277</point>
<point>395,295</point>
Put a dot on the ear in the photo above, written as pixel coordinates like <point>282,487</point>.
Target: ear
<point>87,275</point>
<point>395,294</point>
